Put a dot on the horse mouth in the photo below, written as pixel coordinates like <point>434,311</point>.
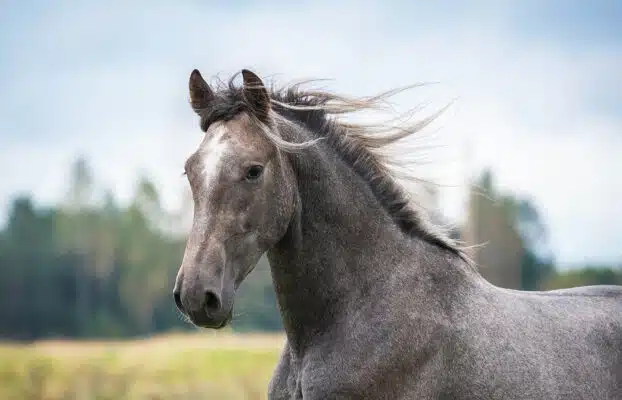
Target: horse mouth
<point>207,322</point>
<point>224,323</point>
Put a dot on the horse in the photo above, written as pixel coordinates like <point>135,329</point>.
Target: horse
<point>376,302</point>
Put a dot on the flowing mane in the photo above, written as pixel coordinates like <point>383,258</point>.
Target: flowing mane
<point>359,145</point>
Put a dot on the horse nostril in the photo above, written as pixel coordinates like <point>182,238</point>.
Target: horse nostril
<point>212,302</point>
<point>177,296</point>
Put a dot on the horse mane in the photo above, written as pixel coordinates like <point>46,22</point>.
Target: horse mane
<point>359,145</point>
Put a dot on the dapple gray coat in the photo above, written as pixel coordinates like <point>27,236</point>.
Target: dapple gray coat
<point>375,303</point>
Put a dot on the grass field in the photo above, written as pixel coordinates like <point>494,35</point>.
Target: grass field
<point>206,365</point>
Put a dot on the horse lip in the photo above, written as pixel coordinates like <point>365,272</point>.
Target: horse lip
<point>226,321</point>
<point>209,322</point>
<point>212,324</point>
<point>222,324</point>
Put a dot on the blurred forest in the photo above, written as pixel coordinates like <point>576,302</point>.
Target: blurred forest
<point>90,268</point>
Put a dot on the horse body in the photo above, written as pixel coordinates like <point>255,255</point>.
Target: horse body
<point>539,345</point>
<point>375,303</point>
<point>496,345</point>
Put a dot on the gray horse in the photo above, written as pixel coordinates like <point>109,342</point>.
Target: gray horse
<point>376,304</point>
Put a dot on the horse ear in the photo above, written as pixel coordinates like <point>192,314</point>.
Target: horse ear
<point>255,93</point>
<point>201,95</point>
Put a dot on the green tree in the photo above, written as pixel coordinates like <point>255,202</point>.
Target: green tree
<point>536,260</point>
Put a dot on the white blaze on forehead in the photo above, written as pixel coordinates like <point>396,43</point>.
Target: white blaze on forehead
<point>212,154</point>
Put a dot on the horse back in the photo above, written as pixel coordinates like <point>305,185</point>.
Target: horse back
<point>555,344</point>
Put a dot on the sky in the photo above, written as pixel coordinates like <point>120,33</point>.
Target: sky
<point>536,93</point>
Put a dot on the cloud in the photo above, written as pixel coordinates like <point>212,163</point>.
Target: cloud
<point>110,82</point>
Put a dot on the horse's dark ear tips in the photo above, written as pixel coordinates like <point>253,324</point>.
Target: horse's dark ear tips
<point>250,78</point>
<point>200,93</point>
<point>255,93</point>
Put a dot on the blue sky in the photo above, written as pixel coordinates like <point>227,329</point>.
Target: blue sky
<point>538,85</point>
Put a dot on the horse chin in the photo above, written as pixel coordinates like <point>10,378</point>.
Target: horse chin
<point>215,324</point>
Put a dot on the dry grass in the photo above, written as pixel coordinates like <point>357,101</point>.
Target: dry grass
<point>184,366</point>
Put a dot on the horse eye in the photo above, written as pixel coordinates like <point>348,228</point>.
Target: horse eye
<point>254,172</point>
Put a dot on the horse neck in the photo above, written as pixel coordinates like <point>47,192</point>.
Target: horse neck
<point>343,252</point>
